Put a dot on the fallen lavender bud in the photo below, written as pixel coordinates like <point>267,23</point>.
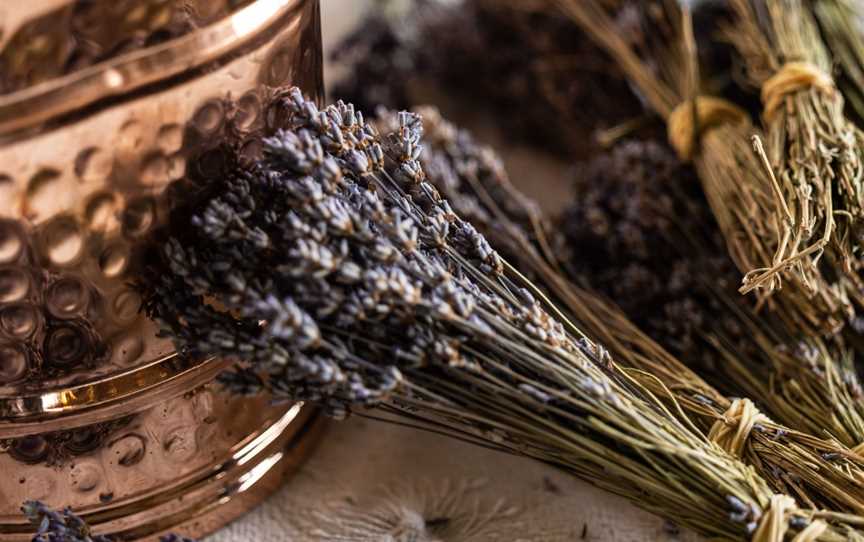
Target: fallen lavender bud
<point>65,526</point>
<point>58,526</point>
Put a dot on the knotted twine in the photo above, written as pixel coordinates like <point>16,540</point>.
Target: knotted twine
<point>684,126</point>
<point>792,77</point>
<point>731,433</point>
<point>687,123</point>
<point>732,430</point>
<point>775,522</point>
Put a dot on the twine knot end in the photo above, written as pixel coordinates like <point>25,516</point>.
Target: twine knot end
<point>687,122</point>
<point>733,429</point>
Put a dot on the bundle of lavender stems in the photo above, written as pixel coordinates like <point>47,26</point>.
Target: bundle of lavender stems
<point>337,274</point>
<point>625,228</point>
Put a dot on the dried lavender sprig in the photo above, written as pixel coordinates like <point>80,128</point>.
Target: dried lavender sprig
<point>629,205</point>
<point>65,526</point>
<point>812,151</point>
<point>337,269</point>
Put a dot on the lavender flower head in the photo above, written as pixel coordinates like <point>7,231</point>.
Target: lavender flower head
<point>335,267</point>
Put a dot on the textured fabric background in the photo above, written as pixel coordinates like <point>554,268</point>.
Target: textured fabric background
<point>374,482</point>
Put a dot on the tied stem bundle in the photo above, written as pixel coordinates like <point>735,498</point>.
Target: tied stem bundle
<point>813,152</point>
<point>336,269</point>
<point>822,473</point>
<point>751,205</point>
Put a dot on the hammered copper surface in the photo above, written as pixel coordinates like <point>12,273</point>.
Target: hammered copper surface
<point>172,467</point>
<point>59,39</point>
<point>77,196</point>
<point>108,112</point>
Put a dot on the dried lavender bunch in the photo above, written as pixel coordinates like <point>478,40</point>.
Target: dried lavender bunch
<point>563,86</point>
<point>749,206</point>
<point>812,151</point>
<point>625,210</point>
<point>620,234</point>
<point>66,526</point>
<point>336,268</point>
<point>637,215</point>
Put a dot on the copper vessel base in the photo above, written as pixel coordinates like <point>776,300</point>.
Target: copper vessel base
<point>204,501</point>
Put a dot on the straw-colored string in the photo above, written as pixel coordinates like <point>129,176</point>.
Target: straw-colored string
<point>733,429</point>
<point>812,532</point>
<point>792,77</point>
<point>773,524</point>
<point>684,128</point>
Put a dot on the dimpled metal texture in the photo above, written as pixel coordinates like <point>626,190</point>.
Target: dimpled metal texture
<point>109,111</point>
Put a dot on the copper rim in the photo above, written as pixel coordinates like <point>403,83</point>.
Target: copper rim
<point>31,107</point>
<point>119,394</point>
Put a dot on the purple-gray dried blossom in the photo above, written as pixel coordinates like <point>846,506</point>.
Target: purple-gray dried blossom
<point>65,526</point>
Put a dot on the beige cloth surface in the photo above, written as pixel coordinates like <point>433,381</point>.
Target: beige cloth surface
<point>375,482</point>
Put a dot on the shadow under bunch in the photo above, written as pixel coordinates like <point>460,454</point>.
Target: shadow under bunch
<point>338,272</point>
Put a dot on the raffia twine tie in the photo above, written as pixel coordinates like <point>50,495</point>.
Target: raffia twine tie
<point>792,77</point>
<point>731,433</point>
<point>711,111</point>
<point>732,430</point>
<point>812,532</point>
<point>774,523</point>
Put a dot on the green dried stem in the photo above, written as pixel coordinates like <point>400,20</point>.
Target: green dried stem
<point>820,472</point>
<point>750,204</point>
<point>812,152</point>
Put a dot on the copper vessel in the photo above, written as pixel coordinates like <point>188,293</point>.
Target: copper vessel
<point>108,111</point>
